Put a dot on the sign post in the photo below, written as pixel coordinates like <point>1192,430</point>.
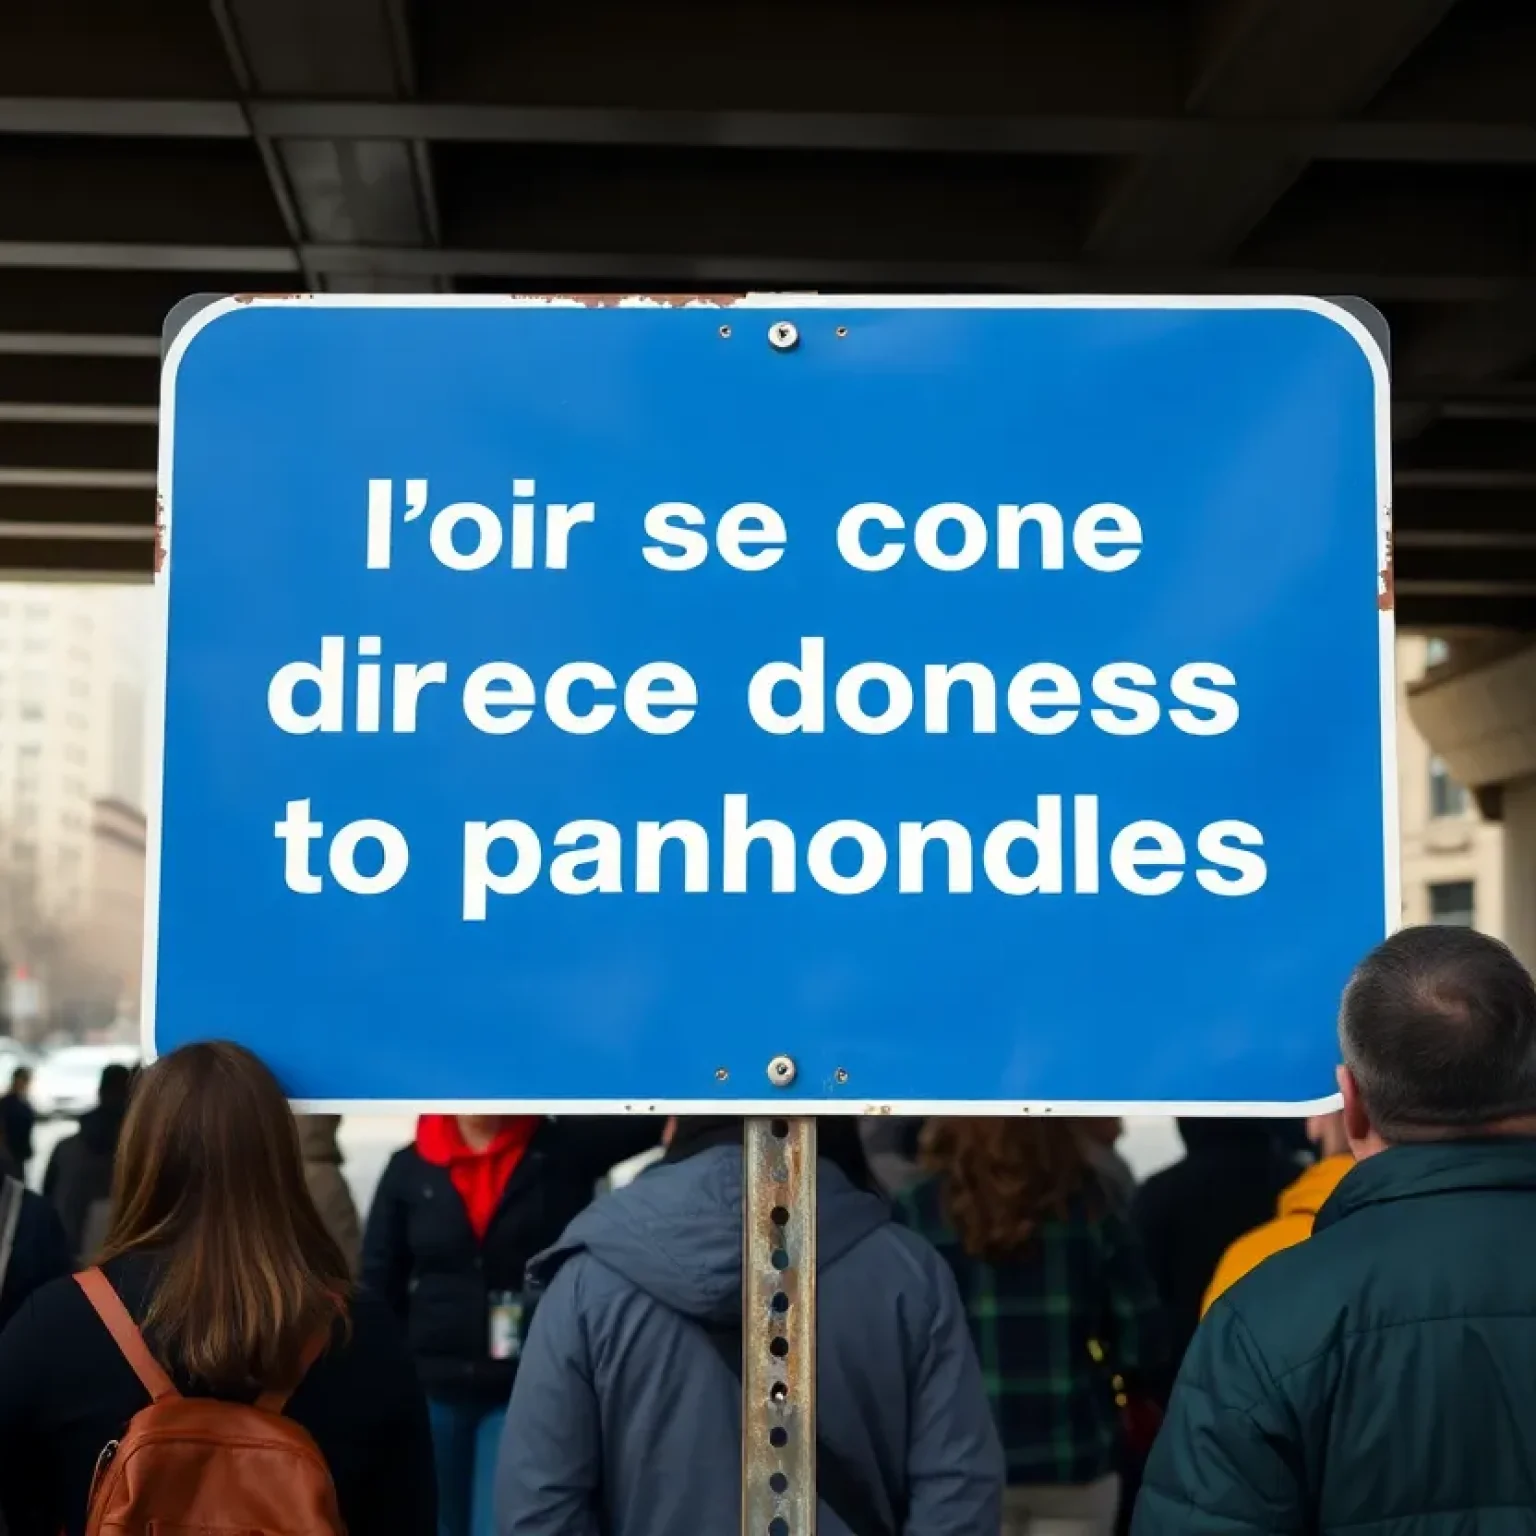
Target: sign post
<point>778,1327</point>
<point>938,706</point>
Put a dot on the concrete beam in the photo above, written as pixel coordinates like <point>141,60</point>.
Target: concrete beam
<point>26,477</point>
<point>1439,142</point>
<point>1317,59</point>
<point>605,270</point>
<point>72,344</point>
<point>373,191</point>
<point>1479,587</point>
<point>1465,350</point>
<point>39,413</point>
<point>1465,479</point>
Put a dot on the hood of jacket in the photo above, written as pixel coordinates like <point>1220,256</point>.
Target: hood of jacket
<point>675,1233</point>
<point>1307,1196</point>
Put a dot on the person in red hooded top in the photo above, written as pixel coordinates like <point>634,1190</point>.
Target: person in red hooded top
<point>456,1219</point>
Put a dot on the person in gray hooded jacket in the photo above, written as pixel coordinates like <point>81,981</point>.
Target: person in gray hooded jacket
<point>625,1417</point>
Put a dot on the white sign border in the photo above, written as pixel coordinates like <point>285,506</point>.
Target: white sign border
<point>788,303</point>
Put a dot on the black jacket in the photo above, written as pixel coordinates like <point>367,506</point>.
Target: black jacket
<point>1378,1379</point>
<point>79,1173</point>
<point>65,1391</point>
<point>17,1118</point>
<point>39,1252</point>
<point>421,1255</point>
<point>1188,1215</point>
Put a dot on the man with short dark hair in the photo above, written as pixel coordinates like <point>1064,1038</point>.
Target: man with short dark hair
<point>18,1118</point>
<point>78,1180</point>
<point>1381,1376</point>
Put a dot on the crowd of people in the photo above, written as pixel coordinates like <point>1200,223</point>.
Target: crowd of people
<point>1319,1328</point>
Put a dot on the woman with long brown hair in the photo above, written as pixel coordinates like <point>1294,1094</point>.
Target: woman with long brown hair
<point>220,1258</point>
<point>1059,1302</point>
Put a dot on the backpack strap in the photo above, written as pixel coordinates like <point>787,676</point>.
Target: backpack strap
<point>125,1333</point>
<point>277,1399</point>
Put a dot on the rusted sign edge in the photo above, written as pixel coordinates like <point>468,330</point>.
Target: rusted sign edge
<point>159,533</point>
<point>574,300</point>
<point>638,300</point>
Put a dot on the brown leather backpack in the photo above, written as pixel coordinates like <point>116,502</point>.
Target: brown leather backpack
<point>199,1465</point>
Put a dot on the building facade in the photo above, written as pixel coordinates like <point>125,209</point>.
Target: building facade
<point>114,929</point>
<point>1453,859</point>
<point>55,742</point>
<point>71,731</point>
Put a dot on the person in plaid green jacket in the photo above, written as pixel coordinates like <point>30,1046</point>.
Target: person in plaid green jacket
<point>1059,1299</point>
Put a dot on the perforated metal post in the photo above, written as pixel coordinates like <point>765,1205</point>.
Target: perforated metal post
<point>778,1330</point>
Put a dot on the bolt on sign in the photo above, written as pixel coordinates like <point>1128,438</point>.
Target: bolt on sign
<point>782,704</point>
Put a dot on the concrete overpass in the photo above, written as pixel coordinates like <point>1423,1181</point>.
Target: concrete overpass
<point>1386,148</point>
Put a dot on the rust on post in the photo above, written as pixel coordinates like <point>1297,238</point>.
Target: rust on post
<point>1385,595</point>
<point>778,1329</point>
<point>159,533</point>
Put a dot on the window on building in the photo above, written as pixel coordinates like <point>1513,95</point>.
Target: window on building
<point>31,711</point>
<point>1446,796</point>
<point>1452,902</point>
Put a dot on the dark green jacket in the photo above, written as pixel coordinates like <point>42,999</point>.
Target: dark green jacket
<point>1377,1380</point>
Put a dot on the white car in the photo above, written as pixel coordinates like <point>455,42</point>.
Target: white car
<point>13,1055</point>
<point>66,1082</point>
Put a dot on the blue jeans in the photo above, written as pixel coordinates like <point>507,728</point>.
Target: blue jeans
<point>465,1440</point>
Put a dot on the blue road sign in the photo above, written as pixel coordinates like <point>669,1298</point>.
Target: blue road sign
<point>801,703</point>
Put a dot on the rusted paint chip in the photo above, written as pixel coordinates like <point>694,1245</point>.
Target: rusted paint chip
<point>614,300</point>
<point>1385,592</point>
<point>250,298</point>
<point>159,533</point>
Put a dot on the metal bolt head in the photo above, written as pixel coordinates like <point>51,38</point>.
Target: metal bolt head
<point>841,1074</point>
<point>783,335</point>
<point>781,1071</point>
<point>721,1073</point>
